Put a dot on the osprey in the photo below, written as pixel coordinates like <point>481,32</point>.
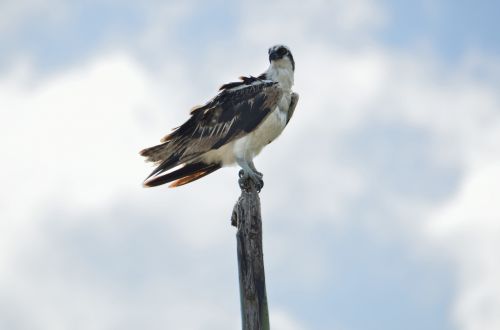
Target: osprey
<point>231,128</point>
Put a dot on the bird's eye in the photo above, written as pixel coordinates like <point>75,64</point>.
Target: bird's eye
<point>282,51</point>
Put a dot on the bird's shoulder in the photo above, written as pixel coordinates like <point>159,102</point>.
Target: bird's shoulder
<point>244,81</point>
<point>248,89</point>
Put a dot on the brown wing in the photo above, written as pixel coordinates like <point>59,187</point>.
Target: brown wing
<point>231,114</point>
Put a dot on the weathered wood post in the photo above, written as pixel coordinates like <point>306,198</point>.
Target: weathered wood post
<point>247,218</point>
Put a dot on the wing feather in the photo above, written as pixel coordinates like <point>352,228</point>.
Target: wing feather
<point>228,116</point>
<point>233,113</point>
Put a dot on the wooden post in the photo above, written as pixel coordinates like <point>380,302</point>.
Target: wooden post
<point>247,218</point>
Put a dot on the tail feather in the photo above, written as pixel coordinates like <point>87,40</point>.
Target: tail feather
<point>156,153</point>
<point>187,173</point>
<point>164,166</point>
<point>165,158</point>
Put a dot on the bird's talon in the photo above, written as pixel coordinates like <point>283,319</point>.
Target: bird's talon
<point>245,177</point>
<point>258,182</point>
<point>261,185</point>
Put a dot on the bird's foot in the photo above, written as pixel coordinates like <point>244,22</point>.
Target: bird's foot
<point>254,177</point>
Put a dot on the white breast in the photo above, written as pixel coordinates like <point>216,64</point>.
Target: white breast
<point>251,145</point>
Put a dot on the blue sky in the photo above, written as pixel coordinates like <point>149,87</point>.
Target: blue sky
<point>379,208</point>
<point>449,28</point>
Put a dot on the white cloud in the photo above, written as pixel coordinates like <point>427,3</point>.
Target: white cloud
<point>66,146</point>
<point>72,133</point>
<point>468,229</point>
<point>281,320</point>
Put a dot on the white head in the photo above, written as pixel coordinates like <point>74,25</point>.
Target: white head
<point>281,56</point>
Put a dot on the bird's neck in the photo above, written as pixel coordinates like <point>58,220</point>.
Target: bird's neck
<point>282,73</point>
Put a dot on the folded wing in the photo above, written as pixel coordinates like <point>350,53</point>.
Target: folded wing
<point>234,112</point>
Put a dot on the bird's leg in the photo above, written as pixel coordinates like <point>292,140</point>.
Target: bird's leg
<point>252,166</point>
<point>248,171</point>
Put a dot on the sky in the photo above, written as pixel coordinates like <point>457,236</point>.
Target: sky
<point>380,205</point>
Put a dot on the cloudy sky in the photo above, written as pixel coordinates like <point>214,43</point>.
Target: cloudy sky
<point>381,202</point>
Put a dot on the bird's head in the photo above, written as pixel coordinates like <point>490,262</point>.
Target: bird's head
<point>280,55</point>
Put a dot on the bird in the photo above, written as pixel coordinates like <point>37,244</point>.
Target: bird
<point>231,128</point>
